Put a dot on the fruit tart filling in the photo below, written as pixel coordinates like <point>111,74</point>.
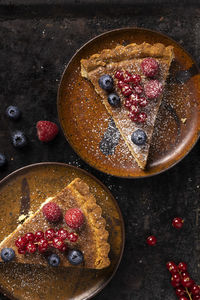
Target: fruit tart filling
<point>135,93</point>
<point>60,239</point>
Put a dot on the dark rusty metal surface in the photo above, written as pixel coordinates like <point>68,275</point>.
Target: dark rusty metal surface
<point>36,44</point>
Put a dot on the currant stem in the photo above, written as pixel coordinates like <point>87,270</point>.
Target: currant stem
<point>188,293</point>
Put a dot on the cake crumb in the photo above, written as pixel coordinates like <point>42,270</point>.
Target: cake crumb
<point>183,120</point>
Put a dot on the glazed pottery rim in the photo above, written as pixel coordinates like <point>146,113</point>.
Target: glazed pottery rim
<point>5,292</point>
<point>58,100</point>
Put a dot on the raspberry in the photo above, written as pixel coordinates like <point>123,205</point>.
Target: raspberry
<point>52,212</point>
<point>74,218</point>
<point>31,247</point>
<point>46,130</point>
<point>43,245</point>
<point>72,237</point>
<point>149,67</point>
<point>153,89</point>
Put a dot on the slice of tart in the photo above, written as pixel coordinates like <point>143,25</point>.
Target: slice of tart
<point>130,81</point>
<point>67,230</point>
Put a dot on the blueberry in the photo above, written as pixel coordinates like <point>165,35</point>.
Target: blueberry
<point>3,160</point>
<point>75,257</point>
<point>106,82</point>
<point>13,112</point>
<point>114,100</point>
<point>19,139</point>
<point>139,137</point>
<point>53,260</point>
<point>7,254</point>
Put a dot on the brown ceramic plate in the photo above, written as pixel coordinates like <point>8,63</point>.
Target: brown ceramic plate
<point>85,120</point>
<point>26,189</point>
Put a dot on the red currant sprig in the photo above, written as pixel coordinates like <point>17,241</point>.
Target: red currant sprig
<point>181,281</point>
<point>41,241</point>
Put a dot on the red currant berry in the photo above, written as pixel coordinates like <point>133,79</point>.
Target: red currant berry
<point>177,223</point>
<point>72,237</point>
<point>21,242</point>
<point>127,90</point>
<point>31,247</point>
<point>62,234</point>
<point>127,77</point>
<point>136,78</point>
<point>143,102</point>
<point>128,103</point>
<point>21,250</point>
<point>38,236</point>
<point>151,240</point>
<point>58,243</point>
<point>49,234</point>
<point>63,248</point>
<point>138,89</point>
<point>182,267</point>
<point>133,117</point>
<point>176,280</point>
<point>180,291</point>
<point>120,84</point>
<point>29,237</point>
<point>43,245</point>
<point>170,264</point>
<point>142,116</point>
<point>186,281</point>
<point>196,297</point>
<point>195,289</point>
<point>183,298</point>
<point>119,75</point>
<point>184,274</point>
<point>134,99</point>
<point>134,109</point>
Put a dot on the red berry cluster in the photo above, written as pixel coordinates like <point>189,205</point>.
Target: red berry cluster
<point>131,88</point>
<point>185,287</point>
<point>30,242</point>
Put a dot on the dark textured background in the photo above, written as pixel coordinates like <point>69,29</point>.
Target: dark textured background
<point>36,42</point>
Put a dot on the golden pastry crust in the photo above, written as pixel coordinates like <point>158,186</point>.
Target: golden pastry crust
<point>125,53</point>
<point>128,58</point>
<point>93,237</point>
